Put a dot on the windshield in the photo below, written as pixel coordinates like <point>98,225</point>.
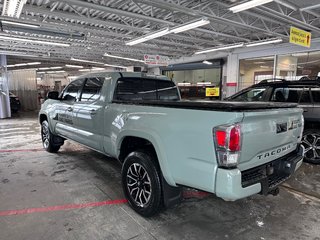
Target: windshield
<point>252,94</point>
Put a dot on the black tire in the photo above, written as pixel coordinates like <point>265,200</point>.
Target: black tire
<point>311,142</point>
<point>141,183</point>
<point>48,138</point>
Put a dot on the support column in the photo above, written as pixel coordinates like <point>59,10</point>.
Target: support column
<point>5,111</point>
<point>232,80</point>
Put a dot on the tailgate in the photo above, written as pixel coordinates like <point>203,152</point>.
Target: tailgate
<point>268,135</point>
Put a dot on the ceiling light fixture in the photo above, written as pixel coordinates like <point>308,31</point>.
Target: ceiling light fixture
<point>73,66</point>
<point>220,48</point>
<point>20,24</point>
<point>125,58</point>
<point>13,8</point>
<point>248,5</point>
<point>181,28</point>
<point>207,62</point>
<point>190,25</point>
<point>86,61</point>
<point>277,40</point>
<point>149,36</point>
<point>34,41</point>
<point>23,64</point>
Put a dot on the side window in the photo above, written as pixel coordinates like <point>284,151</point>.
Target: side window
<point>92,89</point>
<point>293,95</point>
<point>253,94</point>
<point>280,95</point>
<point>315,92</point>
<point>305,96</point>
<point>72,90</point>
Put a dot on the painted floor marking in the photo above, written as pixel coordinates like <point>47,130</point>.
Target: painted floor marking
<point>61,207</point>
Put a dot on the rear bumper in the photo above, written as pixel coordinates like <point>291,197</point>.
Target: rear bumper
<point>232,184</point>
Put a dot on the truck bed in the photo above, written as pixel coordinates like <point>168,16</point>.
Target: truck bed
<point>212,105</point>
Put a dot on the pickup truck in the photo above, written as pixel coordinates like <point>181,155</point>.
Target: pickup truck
<point>231,149</point>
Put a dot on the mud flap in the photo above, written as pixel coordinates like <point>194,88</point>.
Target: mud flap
<point>171,195</point>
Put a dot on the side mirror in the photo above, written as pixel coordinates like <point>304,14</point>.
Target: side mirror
<point>53,95</point>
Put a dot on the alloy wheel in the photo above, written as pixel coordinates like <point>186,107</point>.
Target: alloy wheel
<point>311,142</point>
<point>139,184</point>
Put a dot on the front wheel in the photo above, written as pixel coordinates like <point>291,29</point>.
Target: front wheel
<point>311,143</point>
<point>48,138</point>
<point>141,183</point>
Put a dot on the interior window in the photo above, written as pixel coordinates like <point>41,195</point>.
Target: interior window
<point>72,90</point>
<point>91,90</point>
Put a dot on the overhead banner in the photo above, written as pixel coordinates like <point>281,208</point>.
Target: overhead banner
<point>156,60</point>
<point>300,37</point>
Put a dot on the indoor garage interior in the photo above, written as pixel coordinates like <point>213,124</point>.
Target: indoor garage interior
<point>216,57</point>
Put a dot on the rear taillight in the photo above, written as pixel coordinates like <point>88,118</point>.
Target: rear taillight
<point>227,144</point>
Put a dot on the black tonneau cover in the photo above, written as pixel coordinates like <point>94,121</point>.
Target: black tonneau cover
<point>212,105</point>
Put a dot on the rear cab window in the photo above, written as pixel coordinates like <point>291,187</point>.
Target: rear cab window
<point>144,89</point>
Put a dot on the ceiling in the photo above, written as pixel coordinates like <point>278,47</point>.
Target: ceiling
<point>95,27</point>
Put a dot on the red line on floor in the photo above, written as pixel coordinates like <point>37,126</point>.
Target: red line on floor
<point>61,207</point>
<point>21,150</point>
<point>195,194</point>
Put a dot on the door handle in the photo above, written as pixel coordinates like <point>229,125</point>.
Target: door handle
<point>93,112</point>
<point>305,110</point>
<point>69,109</point>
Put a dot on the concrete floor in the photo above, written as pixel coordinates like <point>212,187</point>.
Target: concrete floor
<point>32,178</point>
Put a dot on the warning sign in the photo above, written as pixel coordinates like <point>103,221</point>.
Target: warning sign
<point>212,92</point>
<point>300,37</point>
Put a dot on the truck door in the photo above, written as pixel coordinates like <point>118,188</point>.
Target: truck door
<point>65,120</point>
<point>88,113</point>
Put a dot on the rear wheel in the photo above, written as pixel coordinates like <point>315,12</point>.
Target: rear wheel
<point>48,138</point>
<point>141,183</point>
<point>311,143</point>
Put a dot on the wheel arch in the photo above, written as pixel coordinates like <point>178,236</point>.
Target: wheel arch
<point>131,141</point>
<point>42,117</point>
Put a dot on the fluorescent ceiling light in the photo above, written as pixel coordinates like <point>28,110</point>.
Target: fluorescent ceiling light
<point>190,25</point>
<point>73,66</point>
<point>207,62</point>
<point>149,36</point>
<point>125,58</point>
<point>48,68</point>
<point>61,71</point>
<point>34,41</point>
<point>116,66</point>
<point>24,64</point>
<point>20,24</point>
<point>278,40</point>
<point>86,61</point>
<point>248,5</point>
<point>84,70</point>
<point>13,8</point>
<point>220,48</point>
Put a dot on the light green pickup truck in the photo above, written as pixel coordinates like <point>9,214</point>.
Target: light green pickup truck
<point>231,149</point>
